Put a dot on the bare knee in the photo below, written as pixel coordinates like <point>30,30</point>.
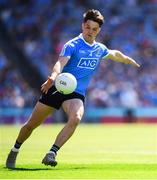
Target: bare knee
<point>74,120</point>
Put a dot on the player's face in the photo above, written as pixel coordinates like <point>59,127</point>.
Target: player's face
<point>90,30</point>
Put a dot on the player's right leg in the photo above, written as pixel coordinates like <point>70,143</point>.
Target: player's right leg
<point>74,108</point>
<point>40,112</point>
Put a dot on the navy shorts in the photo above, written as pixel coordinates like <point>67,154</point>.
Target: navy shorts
<point>55,99</point>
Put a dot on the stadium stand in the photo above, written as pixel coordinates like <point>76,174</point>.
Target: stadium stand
<point>14,90</point>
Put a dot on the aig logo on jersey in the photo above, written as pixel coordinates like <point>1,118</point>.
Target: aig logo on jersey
<point>88,63</point>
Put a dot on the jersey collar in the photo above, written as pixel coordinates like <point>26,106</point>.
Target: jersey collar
<point>81,36</point>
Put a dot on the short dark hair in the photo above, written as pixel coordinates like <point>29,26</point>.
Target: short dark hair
<point>93,15</point>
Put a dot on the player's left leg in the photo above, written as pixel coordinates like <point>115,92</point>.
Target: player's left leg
<point>74,108</point>
<point>40,112</point>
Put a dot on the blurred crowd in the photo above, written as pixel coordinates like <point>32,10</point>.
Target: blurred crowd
<point>41,27</point>
<point>14,90</point>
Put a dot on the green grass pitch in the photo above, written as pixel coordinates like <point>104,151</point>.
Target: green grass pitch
<point>95,151</point>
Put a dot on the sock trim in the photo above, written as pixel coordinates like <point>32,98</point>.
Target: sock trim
<point>52,152</point>
<point>15,149</point>
<point>54,149</point>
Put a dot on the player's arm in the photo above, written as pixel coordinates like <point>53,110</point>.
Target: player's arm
<point>55,71</point>
<point>58,67</point>
<point>118,56</point>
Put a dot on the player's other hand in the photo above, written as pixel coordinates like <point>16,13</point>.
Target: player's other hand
<point>136,64</point>
<point>132,61</point>
<point>46,85</point>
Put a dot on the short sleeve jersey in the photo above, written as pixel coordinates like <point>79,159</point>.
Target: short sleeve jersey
<point>84,60</point>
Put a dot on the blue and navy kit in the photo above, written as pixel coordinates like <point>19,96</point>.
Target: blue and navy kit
<point>84,59</point>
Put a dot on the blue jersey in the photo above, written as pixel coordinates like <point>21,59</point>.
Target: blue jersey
<point>84,59</point>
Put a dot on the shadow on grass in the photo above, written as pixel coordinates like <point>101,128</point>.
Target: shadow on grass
<point>27,169</point>
<point>42,169</point>
<point>107,167</point>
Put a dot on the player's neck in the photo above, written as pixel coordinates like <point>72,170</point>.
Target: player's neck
<point>88,41</point>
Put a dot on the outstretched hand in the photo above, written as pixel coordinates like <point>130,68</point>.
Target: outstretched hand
<point>134,63</point>
<point>46,85</point>
<point>131,61</point>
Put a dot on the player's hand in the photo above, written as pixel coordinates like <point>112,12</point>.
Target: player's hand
<point>134,63</point>
<point>46,85</point>
<point>131,61</point>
